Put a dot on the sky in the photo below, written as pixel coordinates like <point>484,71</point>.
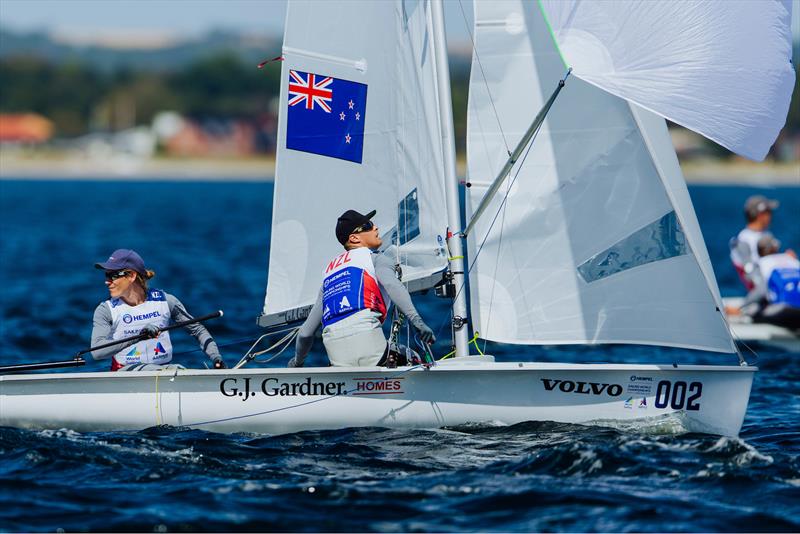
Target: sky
<point>177,18</point>
<point>164,20</point>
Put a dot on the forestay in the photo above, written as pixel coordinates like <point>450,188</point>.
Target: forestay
<point>378,146</point>
<point>719,67</point>
<point>595,239</point>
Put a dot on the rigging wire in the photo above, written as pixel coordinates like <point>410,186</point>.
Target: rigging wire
<point>494,220</point>
<point>483,75</point>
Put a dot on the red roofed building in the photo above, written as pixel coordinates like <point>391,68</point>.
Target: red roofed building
<point>24,128</point>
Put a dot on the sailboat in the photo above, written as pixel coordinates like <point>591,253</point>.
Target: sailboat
<point>580,228</point>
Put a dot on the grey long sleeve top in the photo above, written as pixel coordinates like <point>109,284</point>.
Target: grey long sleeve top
<point>101,330</point>
<point>389,285</point>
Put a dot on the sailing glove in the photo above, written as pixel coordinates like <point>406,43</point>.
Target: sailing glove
<point>149,331</point>
<point>219,363</point>
<point>425,333</point>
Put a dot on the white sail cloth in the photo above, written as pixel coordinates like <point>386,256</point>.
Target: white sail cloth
<point>386,46</point>
<point>718,67</point>
<point>595,238</point>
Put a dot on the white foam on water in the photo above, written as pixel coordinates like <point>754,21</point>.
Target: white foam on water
<point>667,424</point>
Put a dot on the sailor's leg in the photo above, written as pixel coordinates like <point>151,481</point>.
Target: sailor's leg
<point>356,341</point>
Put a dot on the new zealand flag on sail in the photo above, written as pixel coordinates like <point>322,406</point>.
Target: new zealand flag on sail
<point>326,115</point>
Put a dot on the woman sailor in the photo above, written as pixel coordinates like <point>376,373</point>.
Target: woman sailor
<point>134,309</point>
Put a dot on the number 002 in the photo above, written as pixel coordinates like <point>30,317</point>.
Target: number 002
<point>674,395</point>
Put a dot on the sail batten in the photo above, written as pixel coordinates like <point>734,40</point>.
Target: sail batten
<point>596,240</point>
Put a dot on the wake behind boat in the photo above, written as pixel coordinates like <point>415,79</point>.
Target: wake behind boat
<point>580,227</point>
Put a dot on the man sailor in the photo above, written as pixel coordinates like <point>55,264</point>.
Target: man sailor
<point>358,286</point>
<point>744,247</point>
<point>775,297</point>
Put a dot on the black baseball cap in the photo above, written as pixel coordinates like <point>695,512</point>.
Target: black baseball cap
<point>123,258</point>
<point>349,221</point>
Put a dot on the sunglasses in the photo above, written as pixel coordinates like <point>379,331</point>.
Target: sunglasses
<point>366,227</point>
<point>113,275</point>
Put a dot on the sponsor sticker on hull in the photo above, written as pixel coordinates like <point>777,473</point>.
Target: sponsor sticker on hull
<point>246,388</point>
<point>581,388</point>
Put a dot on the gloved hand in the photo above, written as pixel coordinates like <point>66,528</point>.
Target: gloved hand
<point>425,333</point>
<point>219,363</point>
<point>149,331</point>
<point>294,363</point>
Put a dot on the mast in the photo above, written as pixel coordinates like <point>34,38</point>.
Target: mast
<point>460,330</point>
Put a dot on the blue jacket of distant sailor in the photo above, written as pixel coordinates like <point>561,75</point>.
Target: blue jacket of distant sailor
<point>129,320</point>
<point>349,286</point>
<point>782,275</point>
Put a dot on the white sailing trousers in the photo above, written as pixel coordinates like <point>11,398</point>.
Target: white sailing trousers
<point>356,341</point>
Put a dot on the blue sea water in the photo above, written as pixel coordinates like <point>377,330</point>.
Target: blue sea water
<point>209,244</point>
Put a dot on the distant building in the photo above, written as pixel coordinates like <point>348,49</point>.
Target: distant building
<point>212,138</point>
<point>28,128</point>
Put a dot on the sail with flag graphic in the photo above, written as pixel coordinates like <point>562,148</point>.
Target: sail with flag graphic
<point>358,130</point>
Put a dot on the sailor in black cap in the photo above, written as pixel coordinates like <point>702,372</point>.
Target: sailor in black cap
<point>358,287</point>
<point>134,309</point>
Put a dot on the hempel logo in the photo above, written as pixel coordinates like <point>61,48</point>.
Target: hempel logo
<point>128,318</point>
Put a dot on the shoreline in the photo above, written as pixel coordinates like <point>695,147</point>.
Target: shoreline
<point>12,167</point>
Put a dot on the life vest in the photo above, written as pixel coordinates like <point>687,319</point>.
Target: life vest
<point>744,254</point>
<point>129,320</point>
<point>782,275</point>
<point>350,285</point>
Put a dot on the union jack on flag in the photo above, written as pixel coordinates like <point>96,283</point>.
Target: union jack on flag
<point>310,90</point>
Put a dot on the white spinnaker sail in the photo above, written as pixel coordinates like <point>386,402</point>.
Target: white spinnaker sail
<point>719,67</point>
<point>387,46</point>
<point>597,241</point>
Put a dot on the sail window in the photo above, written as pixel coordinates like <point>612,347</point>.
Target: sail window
<point>657,241</point>
<point>408,217</point>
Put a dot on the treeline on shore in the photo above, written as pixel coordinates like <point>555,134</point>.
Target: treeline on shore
<point>80,98</point>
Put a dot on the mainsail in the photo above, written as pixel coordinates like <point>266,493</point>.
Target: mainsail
<point>719,67</point>
<point>381,52</point>
<point>595,238</point>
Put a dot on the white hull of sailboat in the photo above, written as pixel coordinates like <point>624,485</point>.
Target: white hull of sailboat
<point>709,399</point>
<point>750,333</point>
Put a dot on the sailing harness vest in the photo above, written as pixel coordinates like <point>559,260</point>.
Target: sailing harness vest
<point>781,273</point>
<point>350,285</point>
<point>129,320</point>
